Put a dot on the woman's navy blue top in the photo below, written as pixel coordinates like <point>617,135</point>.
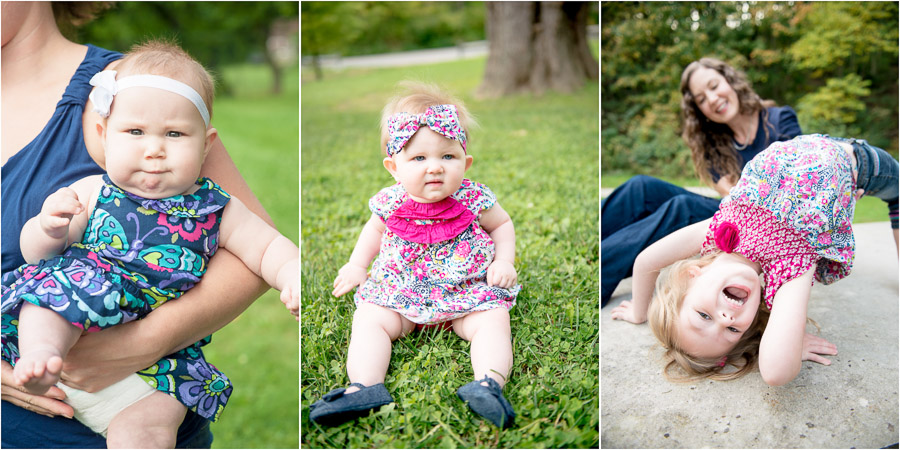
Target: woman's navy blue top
<point>57,157</point>
<point>781,125</point>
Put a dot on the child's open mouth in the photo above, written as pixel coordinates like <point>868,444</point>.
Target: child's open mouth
<point>736,295</point>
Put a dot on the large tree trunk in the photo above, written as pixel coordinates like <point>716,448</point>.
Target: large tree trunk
<point>536,46</point>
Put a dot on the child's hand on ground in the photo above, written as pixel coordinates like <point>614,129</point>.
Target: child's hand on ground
<point>501,273</point>
<point>57,212</point>
<point>348,277</point>
<point>814,346</point>
<point>626,311</point>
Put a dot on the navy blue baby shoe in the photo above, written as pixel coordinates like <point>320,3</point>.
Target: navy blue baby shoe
<point>336,407</point>
<point>488,402</point>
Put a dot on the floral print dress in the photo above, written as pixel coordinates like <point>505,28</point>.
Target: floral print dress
<point>792,208</point>
<point>136,254</point>
<point>432,265</point>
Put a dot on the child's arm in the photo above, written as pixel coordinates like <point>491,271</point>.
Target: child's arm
<point>367,246</point>
<point>679,245</point>
<point>264,250</point>
<point>780,351</point>
<point>497,223</point>
<point>62,221</point>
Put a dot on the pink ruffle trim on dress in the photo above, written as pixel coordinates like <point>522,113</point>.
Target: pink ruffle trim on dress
<point>447,219</point>
<point>757,234</point>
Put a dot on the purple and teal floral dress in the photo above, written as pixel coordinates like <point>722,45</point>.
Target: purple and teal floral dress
<point>432,265</point>
<point>136,254</point>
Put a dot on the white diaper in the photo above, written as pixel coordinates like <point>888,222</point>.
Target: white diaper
<point>96,410</point>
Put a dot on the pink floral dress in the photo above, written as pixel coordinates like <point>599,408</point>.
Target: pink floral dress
<point>792,208</point>
<point>433,260</point>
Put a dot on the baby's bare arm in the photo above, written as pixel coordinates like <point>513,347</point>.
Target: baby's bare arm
<point>679,245</point>
<point>264,250</point>
<point>367,246</point>
<point>62,220</point>
<point>781,348</point>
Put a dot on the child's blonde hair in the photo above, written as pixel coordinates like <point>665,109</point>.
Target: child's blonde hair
<point>415,98</point>
<point>671,287</point>
<point>159,57</point>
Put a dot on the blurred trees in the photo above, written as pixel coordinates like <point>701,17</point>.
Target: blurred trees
<point>362,28</point>
<point>536,46</point>
<point>215,33</point>
<point>834,62</point>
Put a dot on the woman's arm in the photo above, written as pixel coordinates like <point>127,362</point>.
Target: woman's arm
<point>781,348</point>
<point>367,246</point>
<point>723,186</point>
<point>679,245</point>
<point>228,288</point>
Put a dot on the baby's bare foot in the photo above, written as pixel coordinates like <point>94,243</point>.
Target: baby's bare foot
<point>38,370</point>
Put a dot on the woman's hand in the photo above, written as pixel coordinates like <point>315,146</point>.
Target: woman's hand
<point>627,312</point>
<point>349,277</point>
<point>501,273</point>
<point>814,346</point>
<point>102,358</point>
<point>50,404</point>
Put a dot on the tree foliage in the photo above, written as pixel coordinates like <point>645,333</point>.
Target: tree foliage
<point>834,62</point>
<point>215,33</point>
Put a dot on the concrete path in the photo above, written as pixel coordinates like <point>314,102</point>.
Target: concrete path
<point>410,58</point>
<point>851,404</point>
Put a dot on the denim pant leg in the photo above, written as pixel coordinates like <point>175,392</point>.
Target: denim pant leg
<point>878,175</point>
<point>619,250</point>
<point>634,200</point>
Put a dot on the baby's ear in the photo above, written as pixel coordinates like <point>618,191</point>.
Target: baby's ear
<point>390,165</point>
<point>694,271</point>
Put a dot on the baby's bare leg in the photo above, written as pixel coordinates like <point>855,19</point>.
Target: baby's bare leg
<point>151,422</point>
<point>374,328</point>
<point>491,350</point>
<point>45,338</point>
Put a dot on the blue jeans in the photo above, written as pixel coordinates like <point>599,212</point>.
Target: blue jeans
<point>638,213</point>
<point>25,429</point>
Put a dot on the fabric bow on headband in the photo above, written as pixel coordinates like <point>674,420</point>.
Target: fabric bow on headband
<point>106,87</point>
<point>440,118</point>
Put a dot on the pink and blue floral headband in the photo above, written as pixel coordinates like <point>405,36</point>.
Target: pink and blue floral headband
<point>440,118</point>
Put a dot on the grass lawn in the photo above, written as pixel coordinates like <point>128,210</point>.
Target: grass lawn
<point>539,155</point>
<point>259,350</point>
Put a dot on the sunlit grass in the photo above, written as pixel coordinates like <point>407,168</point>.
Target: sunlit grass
<point>539,155</point>
<point>259,350</point>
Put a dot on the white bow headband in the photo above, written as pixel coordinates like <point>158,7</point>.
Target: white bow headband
<point>107,87</point>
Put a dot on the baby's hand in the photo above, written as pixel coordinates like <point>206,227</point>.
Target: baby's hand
<point>813,346</point>
<point>626,311</point>
<point>57,212</point>
<point>501,273</point>
<point>289,285</point>
<point>290,296</point>
<point>348,277</point>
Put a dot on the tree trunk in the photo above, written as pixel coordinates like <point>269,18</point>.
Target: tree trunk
<point>536,46</point>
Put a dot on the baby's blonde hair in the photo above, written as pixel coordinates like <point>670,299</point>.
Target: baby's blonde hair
<point>671,287</point>
<point>415,98</point>
<point>159,57</point>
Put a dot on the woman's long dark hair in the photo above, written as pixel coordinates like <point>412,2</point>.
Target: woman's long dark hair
<point>711,143</point>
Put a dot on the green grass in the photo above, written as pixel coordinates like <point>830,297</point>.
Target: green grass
<point>868,209</point>
<point>259,350</point>
<point>539,155</point>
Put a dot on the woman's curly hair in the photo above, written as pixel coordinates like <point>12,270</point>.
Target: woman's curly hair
<point>710,142</point>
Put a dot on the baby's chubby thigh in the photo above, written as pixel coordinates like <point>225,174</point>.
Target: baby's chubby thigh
<point>370,315</point>
<point>151,422</point>
<point>494,321</point>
